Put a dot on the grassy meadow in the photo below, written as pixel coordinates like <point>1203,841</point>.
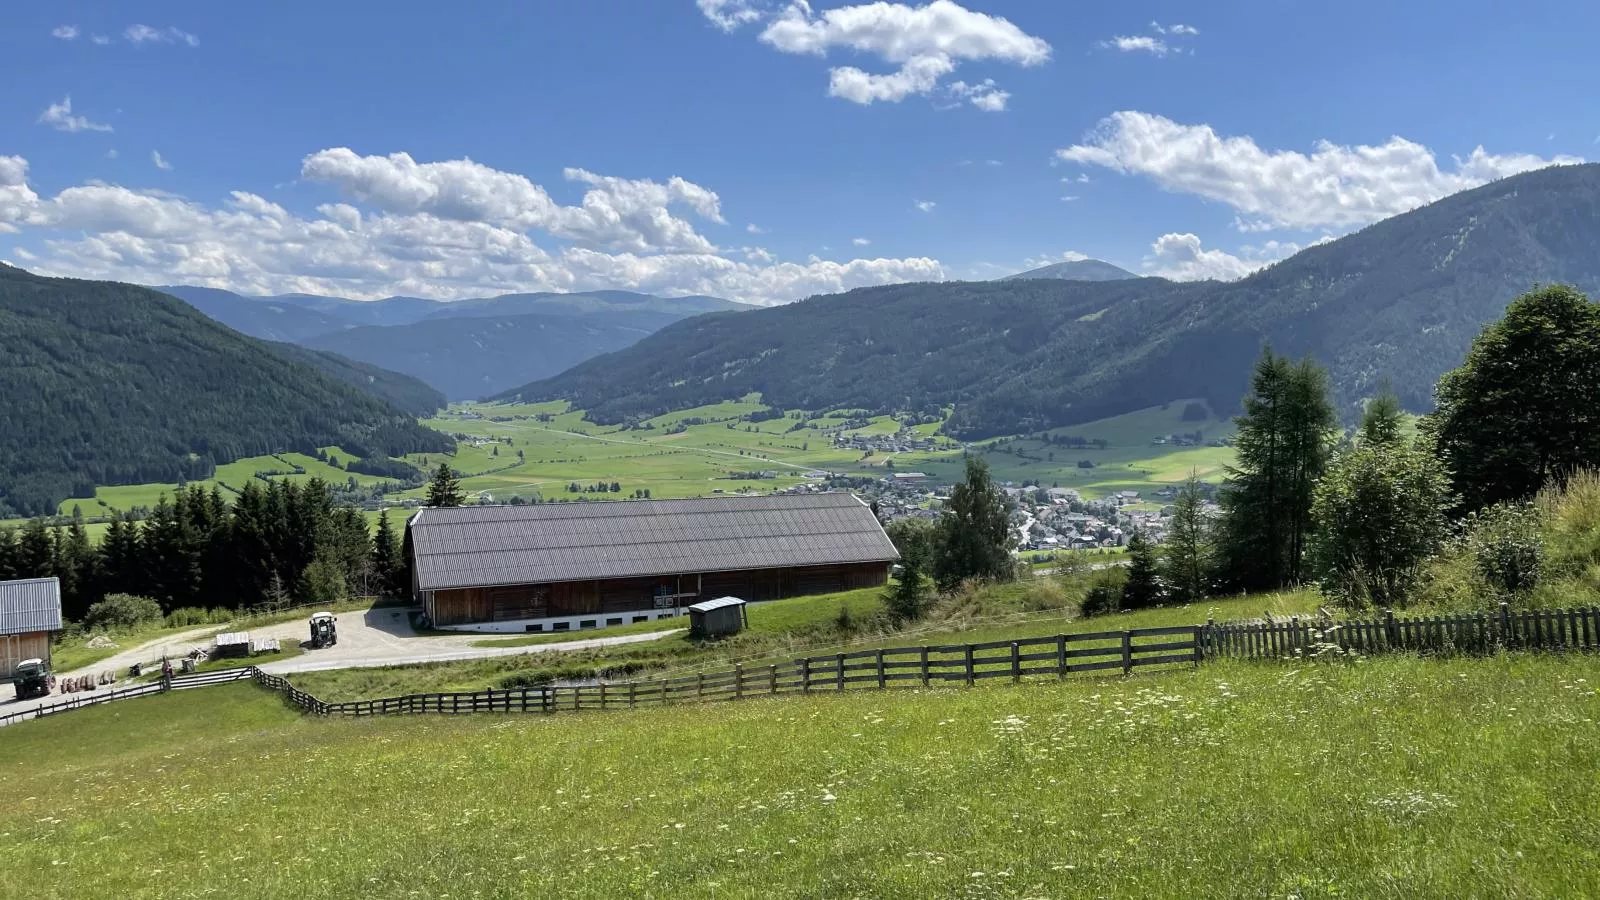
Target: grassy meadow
<point>702,460</point>
<point>1392,777</point>
<point>698,460</point>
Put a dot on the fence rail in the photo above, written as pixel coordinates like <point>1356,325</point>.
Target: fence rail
<point>1055,656</point>
<point>1535,629</point>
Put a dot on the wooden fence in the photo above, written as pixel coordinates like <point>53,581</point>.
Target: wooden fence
<point>1055,656</point>
<point>1541,629</point>
<point>95,698</point>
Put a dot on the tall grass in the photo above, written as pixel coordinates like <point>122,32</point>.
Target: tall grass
<point>1394,777</point>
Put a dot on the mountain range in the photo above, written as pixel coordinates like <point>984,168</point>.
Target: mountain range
<point>465,349</point>
<point>108,383</point>
<point>1075,270</point>
<point>1396,302</point>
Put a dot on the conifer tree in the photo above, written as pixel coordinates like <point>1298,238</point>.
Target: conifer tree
<point>445,489</point>
<point>1143,587</point>
<point>1186,554</point>
<point>386,562</point>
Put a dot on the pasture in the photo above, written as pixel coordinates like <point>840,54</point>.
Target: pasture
<point>1386,777</point>
<point>507,451</point>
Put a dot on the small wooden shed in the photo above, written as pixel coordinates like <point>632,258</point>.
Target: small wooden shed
<point>711,618</point>
<point>30,612</point>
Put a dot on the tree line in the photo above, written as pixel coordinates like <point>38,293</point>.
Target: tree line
<point>275,545</point>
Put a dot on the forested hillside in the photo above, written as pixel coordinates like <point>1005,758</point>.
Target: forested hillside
<point>107,383</point>
<point>1398,301</point>
<point>472,356</point>
<point>404,392</point>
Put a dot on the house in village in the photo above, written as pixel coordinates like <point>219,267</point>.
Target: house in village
<point>575,566</point>
<point>30,612</point>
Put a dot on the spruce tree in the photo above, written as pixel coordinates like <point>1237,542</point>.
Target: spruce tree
<point>8,554</point>
<point>36,551</point>
<point>386,565</point>
<point>445,489</point>
<point>907,600</point>
<point>1283,443</point>
<point>1143,587</point>
<point>1186,555</point>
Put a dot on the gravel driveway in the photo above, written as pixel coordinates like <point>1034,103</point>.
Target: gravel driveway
<point>367,639</point>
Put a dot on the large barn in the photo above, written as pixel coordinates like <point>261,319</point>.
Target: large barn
<point>573,566</point>
<point>30,612</point>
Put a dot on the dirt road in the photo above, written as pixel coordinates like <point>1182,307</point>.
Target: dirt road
<point>368,639</point>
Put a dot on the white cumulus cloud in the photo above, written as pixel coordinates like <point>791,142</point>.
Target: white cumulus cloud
<point>456,230</point>
<point>925,205</point>
<point>729,14</point>
<point>923,44</point>
<point>1334,186</point>
<point>1181,257</point>
<point>65,32</point>
<point>162,164</point>
<point>1137,44</point>
<point>145,34</point>
<point>59,116</point>
<point>861,241</point>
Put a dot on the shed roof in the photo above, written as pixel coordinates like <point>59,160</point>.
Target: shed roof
<point>705,606</point>
<point>31,604</point>
<point>479,546</point>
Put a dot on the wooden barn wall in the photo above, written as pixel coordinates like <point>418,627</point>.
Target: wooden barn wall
<point>532,601</point>
<point>15,648</point>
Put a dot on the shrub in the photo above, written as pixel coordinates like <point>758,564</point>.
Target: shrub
<point>190,616</point>
<point>1507,547</point>
<point>1104,595</point>
<point>121,612</point>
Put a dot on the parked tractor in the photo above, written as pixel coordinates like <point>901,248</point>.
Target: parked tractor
<point>33,679</point>
<point>324,630</point>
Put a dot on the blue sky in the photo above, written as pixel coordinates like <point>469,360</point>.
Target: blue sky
<point>757,150</point>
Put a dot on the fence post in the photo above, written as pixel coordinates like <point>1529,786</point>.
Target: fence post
<point>1016,663</point>
<point>925,675</point>
<point>738,681</point>
<point>883,680</point>
<point>805,675</point>
<point>1390,630</point>
<point>700,685</point>
<point>633,689</point>
<point>1061,656</point>
<point>971,673</point>
<point>839,674</point>
<point>1505,623</point>
<point>774,674</point>
<point>1199,644</point>
<point>1127,653</point>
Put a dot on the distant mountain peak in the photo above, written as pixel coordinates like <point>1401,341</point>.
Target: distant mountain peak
<point>1075,270</point>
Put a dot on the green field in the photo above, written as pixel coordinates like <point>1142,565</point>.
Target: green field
<point>1394,777</point>
<point>700,460</point>
<point>697,460</point>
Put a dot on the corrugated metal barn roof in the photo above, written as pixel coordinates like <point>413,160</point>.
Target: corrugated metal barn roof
<point>32,604</point>
<point>477,546</point>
